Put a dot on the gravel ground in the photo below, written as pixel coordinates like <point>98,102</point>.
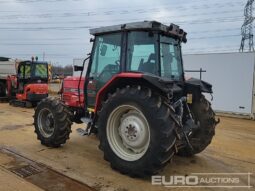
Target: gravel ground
<point>231,151</point>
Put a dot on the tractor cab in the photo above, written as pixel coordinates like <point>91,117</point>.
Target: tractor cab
<point>32,81</point>
<point>148,48</point>
<point>31,73</point>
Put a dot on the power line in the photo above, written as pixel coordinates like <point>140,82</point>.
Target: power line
<point>102,8</point>
<point>212,37</point>
<point>40,54</point>
<point>78,42</point>
<point>194,36</point>
<point>90,22</point>
<point>78,22</point>
<point>43,44</point>
<point>113,12</point>
<point>37,1</point>
<point>202,21</point>
<point>210,49</point>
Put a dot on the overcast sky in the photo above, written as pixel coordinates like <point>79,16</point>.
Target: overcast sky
<point>59,28</point>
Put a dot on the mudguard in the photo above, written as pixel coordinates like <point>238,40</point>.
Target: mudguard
<point>164,86</point>
<point>134,78</point>
<point>199,84</point>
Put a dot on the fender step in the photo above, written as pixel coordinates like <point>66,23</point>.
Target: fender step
<point>86,120</point>
<point>86,131</point>
<point>82,132</point>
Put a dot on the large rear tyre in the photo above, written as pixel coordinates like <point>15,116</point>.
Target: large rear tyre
<point>52,122</point>
<point>201,137</point>
<point>136,132</point>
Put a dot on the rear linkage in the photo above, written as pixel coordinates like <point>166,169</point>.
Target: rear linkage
<point>178,108</point>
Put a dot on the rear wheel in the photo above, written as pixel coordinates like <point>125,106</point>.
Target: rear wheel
<point>201,137</point>
<point>131,139</point>
<point>136,132</point>
<point>52,122</point>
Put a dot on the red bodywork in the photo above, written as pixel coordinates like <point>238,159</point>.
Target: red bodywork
<point>11,83</point>
<point>69,91</point>
<point>38,89</point>
<point>112,82</point>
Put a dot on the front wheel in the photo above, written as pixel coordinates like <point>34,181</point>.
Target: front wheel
<point>136,132</point>
<point>200,138</point>
<point>52,122</point>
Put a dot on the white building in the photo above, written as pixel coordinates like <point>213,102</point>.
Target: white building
<point>232,76</point>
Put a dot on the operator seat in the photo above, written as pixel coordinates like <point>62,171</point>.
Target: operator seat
<point>150,66</point>
<point>108,71</point>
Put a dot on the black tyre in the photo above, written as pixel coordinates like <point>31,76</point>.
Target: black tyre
<point>2,89</point>
<point>201,137</point>
<point>136,132</point>
<point>52,122</point>
<point>34,104</point>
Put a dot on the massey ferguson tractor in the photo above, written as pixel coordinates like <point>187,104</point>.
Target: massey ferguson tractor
<point>135,98</point>
<point>23,83</point>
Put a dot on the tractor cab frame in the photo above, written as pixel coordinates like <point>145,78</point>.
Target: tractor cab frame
<point>146,49</point>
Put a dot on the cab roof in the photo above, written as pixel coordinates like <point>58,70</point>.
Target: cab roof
<point>172,29</point>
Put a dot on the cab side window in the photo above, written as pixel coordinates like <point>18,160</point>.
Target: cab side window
<point>141,52</point>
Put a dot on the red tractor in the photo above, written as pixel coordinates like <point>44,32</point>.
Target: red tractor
<point>135,98</point>
<point>72,96</point>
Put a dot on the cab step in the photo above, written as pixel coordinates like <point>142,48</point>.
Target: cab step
<point>86,120</point>
<point>87,131</point>
<point>82,132</point>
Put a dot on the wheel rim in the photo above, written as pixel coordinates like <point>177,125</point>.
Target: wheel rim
<point>128,132</point>
<point>45,123</point>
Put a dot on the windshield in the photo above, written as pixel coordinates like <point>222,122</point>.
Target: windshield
<point>41,71</point>
<point>170,58</point>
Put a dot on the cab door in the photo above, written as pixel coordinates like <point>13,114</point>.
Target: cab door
<point>24,75</point>
<point>105,63</point>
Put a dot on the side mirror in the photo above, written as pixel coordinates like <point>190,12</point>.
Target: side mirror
<point>77,68</point>
<point>103,50</point>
